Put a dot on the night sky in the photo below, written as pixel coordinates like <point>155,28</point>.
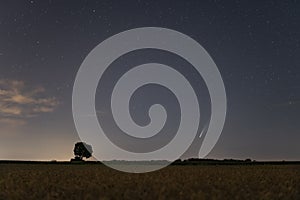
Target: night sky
<point>255,44</point>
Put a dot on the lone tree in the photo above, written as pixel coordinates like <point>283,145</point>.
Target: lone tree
<point>82,150</point>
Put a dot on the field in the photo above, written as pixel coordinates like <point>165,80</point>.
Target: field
<point>91,181</point>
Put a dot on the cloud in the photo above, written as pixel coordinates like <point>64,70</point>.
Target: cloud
<point>19,102</point>
<point>10,110</point>
<point>18,98</point>
<point>12,122</point>
<point>290,103</point>
<point>43,109</point>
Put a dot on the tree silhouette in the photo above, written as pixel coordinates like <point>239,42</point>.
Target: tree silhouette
<point>82,150</point>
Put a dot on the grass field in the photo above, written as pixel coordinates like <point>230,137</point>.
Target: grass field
<point>59,181</point>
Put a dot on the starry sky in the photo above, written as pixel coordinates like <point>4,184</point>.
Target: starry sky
<point>255,44</point>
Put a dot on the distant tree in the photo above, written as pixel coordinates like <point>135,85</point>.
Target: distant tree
<point>82,150</point>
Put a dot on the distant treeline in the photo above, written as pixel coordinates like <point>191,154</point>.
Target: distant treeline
<point>196,161</point>
<point>191,161</point>
<point>47,162</point>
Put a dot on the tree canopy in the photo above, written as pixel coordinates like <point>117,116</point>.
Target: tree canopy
<point>82,150</point>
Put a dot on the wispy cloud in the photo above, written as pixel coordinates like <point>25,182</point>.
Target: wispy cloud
<point>12,122</point>
<point>290,103</point>
<point>19,102</point>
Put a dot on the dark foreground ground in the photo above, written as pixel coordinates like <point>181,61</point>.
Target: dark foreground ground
<point>93,181</point>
